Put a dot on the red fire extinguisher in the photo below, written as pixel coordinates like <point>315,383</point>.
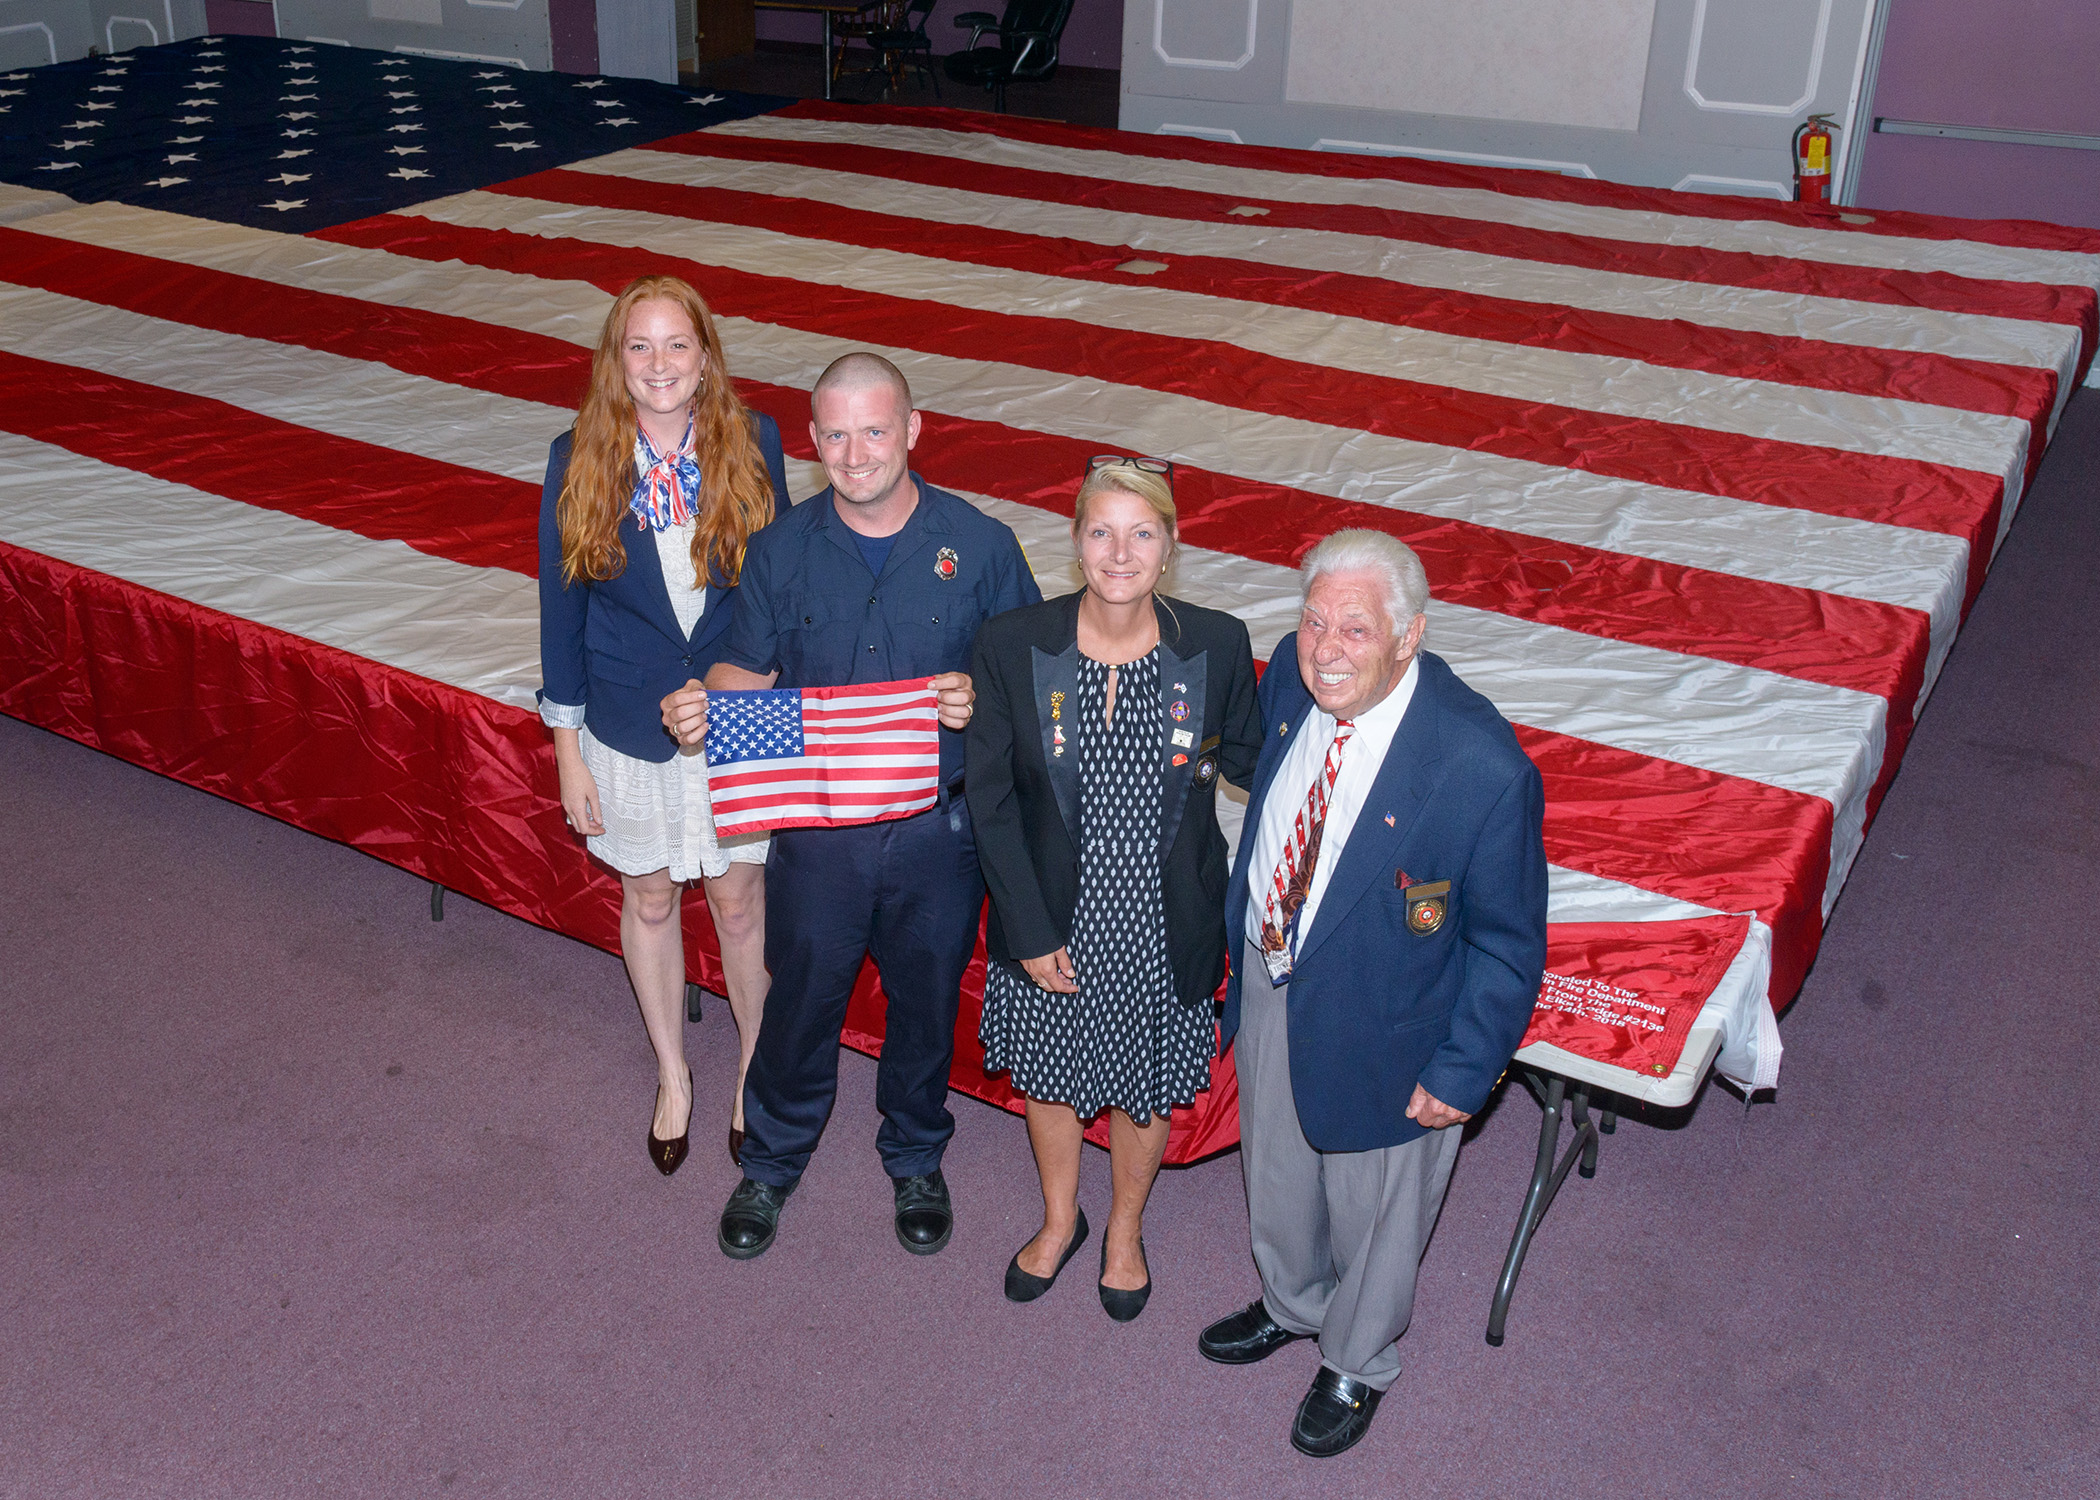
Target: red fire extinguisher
<point>1812,160</point>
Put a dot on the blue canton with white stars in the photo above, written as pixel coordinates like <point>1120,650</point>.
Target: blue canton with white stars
<point>298,136</point>
<point>754,724</point>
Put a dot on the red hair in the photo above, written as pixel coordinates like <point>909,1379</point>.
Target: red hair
<point>736,493</point>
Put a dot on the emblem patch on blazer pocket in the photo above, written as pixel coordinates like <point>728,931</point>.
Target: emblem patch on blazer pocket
<point>1426,905</point>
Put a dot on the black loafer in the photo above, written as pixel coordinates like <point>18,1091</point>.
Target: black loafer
<point>750,1219</point>
<point>1118,1303</point>
<point>1335,1413</point>
<point>1248,1335</point>
<point>925,1218</point>
<point>1023,1286</point>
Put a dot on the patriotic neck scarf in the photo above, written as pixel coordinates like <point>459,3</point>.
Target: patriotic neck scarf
<point>668,492</point>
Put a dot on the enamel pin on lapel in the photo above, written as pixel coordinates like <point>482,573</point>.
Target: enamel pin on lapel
<point>1389,820</point>
<point>944,564</point>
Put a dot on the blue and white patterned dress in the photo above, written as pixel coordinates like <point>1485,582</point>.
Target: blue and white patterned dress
<point>1124,1040</point>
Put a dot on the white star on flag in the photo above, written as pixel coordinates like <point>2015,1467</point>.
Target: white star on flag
<point>191,156</point>
<point>288,178</point>
<point>284,204</point>
<point>73,145</point>
<point>288,155</point>
<point>392,77</point>
<point>163,182</point>
<point>404,151</point>
<point>192,120</point>
<point>619,120</point>
<point>292,135</point>
<point>215,68</point>
<point>407,173</point>
<point>604,103</point>
<point>298,114</point>
<point>495,88</point>
<point>57,166</point>
<point>705,99</point>
<point>592,83</point>
<point>295,98</point>
<point>494,73</point>
<point>184,140</point>
<point>517,145</point>
<point>401,129</point>
<point>505,104</point>
<point>89,124</point>
<point>298,49</point>
<point>510,125</point>
<point>100,88</point>
<point>214,84</point>
<point>92,104</point>
<point>401,93</point>
<point>406,109</point>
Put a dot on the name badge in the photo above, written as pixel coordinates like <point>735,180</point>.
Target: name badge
<point>1426,906</point>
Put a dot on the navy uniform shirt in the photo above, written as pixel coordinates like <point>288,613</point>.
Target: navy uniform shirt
<point>809,608</point>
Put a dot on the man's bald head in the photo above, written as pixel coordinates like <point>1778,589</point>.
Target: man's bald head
<point>861,371</point>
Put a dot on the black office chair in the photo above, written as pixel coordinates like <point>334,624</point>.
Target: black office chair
<point>908,43</point>
<point>1028,33</point>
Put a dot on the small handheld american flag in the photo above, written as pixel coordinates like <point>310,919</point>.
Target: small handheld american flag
<point>822,757</point>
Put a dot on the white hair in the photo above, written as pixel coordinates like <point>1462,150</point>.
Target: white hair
<point>1357,551</point>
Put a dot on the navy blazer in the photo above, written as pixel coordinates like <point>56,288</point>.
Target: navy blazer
<point>615,647</point>
<point>1025,800</point>
<point>1373,1007</point>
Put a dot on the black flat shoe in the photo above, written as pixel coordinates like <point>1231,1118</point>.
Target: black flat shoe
<point>1248,1335</point>
<point>1117,1303</point>
<point>1021,1286</point>
<point>736,1147</point>
<point>925,1217</point>
<point>1335,1413</point>
<point>669,1156</point>
<point>750,1219</point>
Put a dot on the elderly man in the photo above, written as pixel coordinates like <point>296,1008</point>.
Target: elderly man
<point>1391,890</point>
<point>879,578</point>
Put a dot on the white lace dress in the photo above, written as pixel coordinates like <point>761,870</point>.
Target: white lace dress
<point>657,814</point>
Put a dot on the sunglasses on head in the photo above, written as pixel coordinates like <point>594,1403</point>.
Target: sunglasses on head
<point>1113,460</point>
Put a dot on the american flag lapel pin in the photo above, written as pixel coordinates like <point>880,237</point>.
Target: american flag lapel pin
<point>1389,820</point>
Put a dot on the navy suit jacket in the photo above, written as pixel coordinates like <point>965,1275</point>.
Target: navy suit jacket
<point>1373,1007</point>
<point>615,647</point>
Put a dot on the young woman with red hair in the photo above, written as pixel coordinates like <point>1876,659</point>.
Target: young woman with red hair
<point>649,502</point>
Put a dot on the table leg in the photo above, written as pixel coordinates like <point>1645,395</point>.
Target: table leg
<point>1546,1178</point>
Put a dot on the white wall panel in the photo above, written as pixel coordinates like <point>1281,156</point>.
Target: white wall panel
<point>1550,61</point>
<point>1703,94</point>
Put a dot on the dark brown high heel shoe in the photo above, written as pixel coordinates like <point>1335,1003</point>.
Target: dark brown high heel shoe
<point>669,1156</point>
<point>736,1146</point>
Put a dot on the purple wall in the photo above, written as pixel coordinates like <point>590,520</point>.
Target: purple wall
<point>2014,64</point>
<point>1093,37</point>
<point>240,18</point>
<point>573,30</point>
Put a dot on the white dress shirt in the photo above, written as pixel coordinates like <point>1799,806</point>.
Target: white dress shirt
<point>1362,757</point>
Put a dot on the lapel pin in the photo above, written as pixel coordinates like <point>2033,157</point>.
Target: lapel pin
<point>944,564</point>
<point>1389,821</point>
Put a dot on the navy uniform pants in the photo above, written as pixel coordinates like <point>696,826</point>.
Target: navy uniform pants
<point>909,893</point>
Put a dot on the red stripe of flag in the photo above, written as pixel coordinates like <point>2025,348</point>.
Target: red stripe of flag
<point>1510,182</point>
<point>1944,380</point>
<point>1818,637</point>
<point>1864,486</point>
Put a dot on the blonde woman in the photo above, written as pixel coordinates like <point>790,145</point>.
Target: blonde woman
<point>649,502</point>
<point>1104,721</point>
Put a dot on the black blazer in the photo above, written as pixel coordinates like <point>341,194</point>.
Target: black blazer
<point>1024,801</point>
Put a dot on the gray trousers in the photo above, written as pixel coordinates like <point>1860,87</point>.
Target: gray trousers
<point>1337,1234</point>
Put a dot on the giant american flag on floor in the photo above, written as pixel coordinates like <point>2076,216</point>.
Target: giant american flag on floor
<point>1704,486</point>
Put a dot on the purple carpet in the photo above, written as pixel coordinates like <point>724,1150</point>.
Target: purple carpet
<point>307,1195</point>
